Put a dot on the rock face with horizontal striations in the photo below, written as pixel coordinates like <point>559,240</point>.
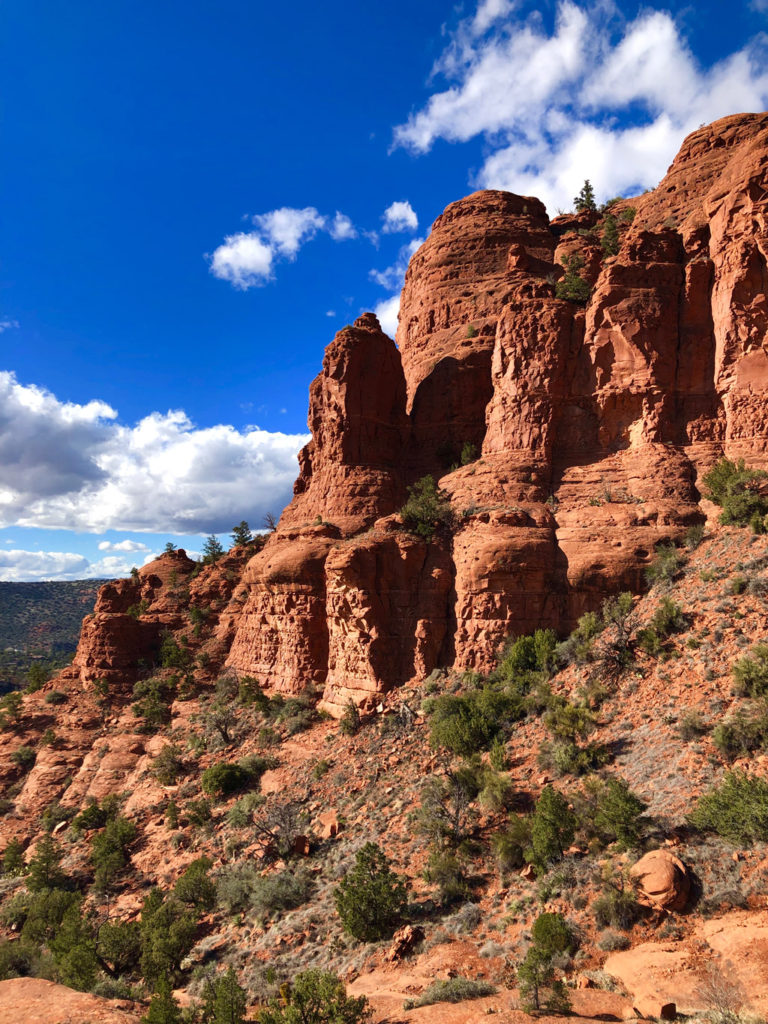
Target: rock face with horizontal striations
<point>571,438</point>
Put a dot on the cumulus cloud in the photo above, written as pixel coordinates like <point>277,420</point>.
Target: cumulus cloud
<point>247,259</point>
<point>122,545</point>
<point>243,260</point>
<point>392,277</point>
<point>18,566</point>
<point>287,229</point>
<point>342,228</point>
<point>548,103</point>
<point>400,216</point>
<point>387,311</point>
<point>69,466</point>
<point>7,325</point>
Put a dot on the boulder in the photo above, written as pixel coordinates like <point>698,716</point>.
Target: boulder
<point>661,880</point>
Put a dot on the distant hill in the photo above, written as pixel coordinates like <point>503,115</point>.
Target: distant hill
<point>40,622</point>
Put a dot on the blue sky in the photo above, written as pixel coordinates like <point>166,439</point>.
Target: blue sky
<point>198,196</point>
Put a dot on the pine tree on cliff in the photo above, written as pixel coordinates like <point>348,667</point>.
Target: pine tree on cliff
<point>585,200</point>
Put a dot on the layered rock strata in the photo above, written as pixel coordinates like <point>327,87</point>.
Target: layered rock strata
<point>586,429</point>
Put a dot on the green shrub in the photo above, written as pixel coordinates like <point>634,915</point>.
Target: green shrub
<point>468,453</point>
<point>469,723</point>
<point>163,1007</point>
<point>225,778</point>
<point>446,801</point>
<point>579,647</point>
<point>44,871</point>
<point>565,757</point>
<point>616,907</point>
<point>198,812</point>
<point>427,510</point>
<point>692,726</point>
<point>349,723</point>
<point>610,238</point>
<point>736,489</point>
<point>452,990</point>
<point>315,997</point>
<point>250,694</point>
<point>168,765</point>
<point>666,620</point>
<point>539,987</point>
<point>13,858</point>
<point>24,757</point>
<point>172,654</point>
<point>194,887</point>
<point>572,285</point>
<point>750,673</point>
<point>737,809</point>
<point>444,869</point>
<point>509,846</point>
<point>552,935</point>
<point>240,814</point>
<point>56,697</point>
<point>371,898</point>
<point>741,733</point>
<point>274,894</point>
<point>614,813</point>
<point>152,700</point>
<point>666,564</point>
<point>525,654</point>
<point>119,944</point>
<point>553,827</point>
<point>225,1000</point>
<point>109,850</point>
<point>167,932</point>
<point>585,200</point>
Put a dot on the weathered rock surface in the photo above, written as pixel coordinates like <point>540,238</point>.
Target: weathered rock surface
<point>351,469</point>
<point>661,880</point>
<point>35,1001</point>
<point>586,431</point>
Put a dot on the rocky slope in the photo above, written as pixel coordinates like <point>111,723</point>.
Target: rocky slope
<point>584,431</point>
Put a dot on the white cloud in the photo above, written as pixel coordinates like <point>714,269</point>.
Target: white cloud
<point>547,103</point>
<point>759,5</point>
<point>387,311</point>
<point>489,12</point>
<point>400,216</point>
<point>243,260</point>
<point>18,566</point>
<point>68,466</point>
<point>342,228</point>
<point>247,259</point>
<point>331,312</point>
<point>7,325</point>
<point>392,277</point>
<point>122,545</point>
<point>287,229</point>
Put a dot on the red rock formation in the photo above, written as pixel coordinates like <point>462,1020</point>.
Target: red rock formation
<point>350,470</point>
<point>591,425</point>
<point>456,286</point>
<point>282,633</point>
<point>387,608</point>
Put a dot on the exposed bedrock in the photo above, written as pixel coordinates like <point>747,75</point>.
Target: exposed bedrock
<point>590,426</point>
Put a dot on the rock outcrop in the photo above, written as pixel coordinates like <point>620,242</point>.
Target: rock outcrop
<point>583,429</point>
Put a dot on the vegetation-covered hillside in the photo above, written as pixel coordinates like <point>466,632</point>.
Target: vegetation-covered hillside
<point>40,622</point>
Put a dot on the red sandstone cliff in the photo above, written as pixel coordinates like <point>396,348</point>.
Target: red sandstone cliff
<point>592,426</point>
